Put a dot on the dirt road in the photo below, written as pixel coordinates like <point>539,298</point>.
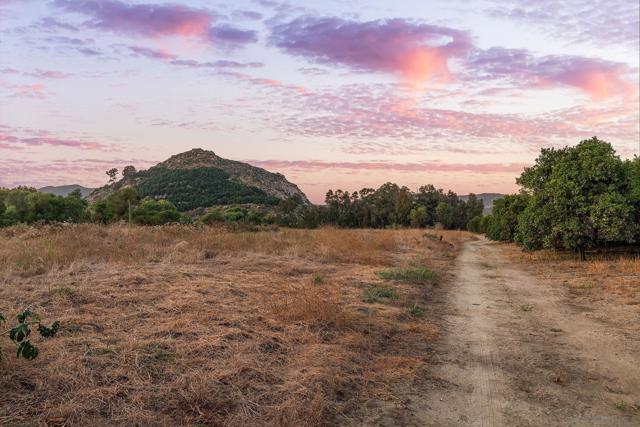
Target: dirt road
<point>515,353</point>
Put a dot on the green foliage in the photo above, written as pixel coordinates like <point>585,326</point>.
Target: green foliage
<point>20,333</point>
<point>375,293</point>
<point>409,275</point>
<point>505,217</point>
<point>155,212</point>
<point>116,206</point>
<point>200,187</point>
<point>574,198</point>
<point>29,206</point>
<point>392,206</point>
<point>475,224</point>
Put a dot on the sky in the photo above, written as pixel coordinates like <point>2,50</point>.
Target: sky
<point>343,94</point>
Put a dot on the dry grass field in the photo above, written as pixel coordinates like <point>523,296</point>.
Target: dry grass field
<point>606,275</point>
<point>194,326</point>
<point>606,287</point>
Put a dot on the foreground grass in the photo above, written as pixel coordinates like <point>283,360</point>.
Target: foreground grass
<point>203,326</point>
<point>409,275</point>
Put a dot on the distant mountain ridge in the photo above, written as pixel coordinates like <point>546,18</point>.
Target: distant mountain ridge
<point>63,190</point>
<point>200,178</point>
<point>487,199</point>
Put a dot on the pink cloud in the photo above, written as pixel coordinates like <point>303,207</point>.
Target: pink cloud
<point>417,52</point>
<point>616,21</point>
<point>316,165</point>
<point>157,20</point>
<point>12,142</point>
<point>599,78</point>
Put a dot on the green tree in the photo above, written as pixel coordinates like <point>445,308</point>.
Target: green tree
<point>580,199</point>
<point>112,174</point>
<point>155,212</point>
<point>506,212</point>
<point>128,172</point>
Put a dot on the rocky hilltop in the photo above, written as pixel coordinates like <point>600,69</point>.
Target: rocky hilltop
<point>200,178</point>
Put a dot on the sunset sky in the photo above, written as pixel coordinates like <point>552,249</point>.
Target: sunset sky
<point>333,94</point>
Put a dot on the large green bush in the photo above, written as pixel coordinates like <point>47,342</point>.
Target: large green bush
<point>574,198</point>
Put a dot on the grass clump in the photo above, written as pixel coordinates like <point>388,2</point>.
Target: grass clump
<point>408,275</point>
<point>317,279</point>
<point>375,293</point>
<point>416,311</point>
<point>62,291</point>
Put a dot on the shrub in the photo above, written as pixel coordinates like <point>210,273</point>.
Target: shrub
<point>19,334</point>
<point>155,212</point>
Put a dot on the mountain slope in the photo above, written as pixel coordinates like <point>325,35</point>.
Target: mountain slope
<point>199,178</point>
<point>63,190</point>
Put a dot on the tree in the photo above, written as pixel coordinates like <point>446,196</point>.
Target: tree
<point>128,172</point>
<point>505,213</point>
<point>475,224</point>
<point>419,217</point>
<point>112,174</point>
<point>155,212</point>
<point>580,198</point>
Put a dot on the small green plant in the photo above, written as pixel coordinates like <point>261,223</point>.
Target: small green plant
<point>526,307</point>
<point>19,334</point>
<point>375,293</point>
<point>621,405</point>
<point>416,311</point>
<point>409,275</point>
<point>62,291</point>
<point>318,279</point>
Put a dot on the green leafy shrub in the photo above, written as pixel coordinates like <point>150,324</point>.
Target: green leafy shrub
<point>155,212</point>
<point>20,333</point>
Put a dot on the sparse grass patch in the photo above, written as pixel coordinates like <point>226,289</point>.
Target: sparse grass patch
<point>526,307</point>
<point>317,279</point>
<point>416,311</point>
<point>409,275</point>
<point>621,405</point>
<point>62,291</point>
<point>375,293</point>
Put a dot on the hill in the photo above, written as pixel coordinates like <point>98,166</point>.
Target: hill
<point>487,199</point>
<point>63,190</point>
<point>199,178</point>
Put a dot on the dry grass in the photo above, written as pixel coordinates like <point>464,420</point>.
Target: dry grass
<point>604,275</point>
<point>207,327</point>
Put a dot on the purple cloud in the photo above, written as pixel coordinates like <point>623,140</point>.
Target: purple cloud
<point>599,23</point>
<point>599,78</point>
<point>416,51</point>
<point>19,143</point>
<point>156,20</point>
<point>189,63</point>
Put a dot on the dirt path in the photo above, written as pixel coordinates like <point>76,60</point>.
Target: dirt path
<point>515,353</point>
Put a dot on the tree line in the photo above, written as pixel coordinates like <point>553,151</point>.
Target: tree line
<point>388,206</point>
<point>575,198</point>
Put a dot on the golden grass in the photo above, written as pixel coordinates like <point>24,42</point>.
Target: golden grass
<point>603,274</point>
<point>194,326</point>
